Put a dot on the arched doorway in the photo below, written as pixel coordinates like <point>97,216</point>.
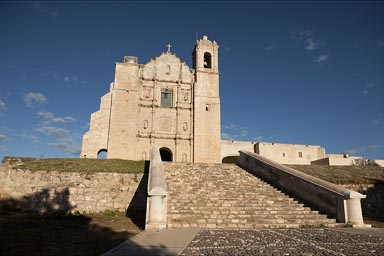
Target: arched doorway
<point>102,154</point>
<point>166,154</point>
<point>231,160</point>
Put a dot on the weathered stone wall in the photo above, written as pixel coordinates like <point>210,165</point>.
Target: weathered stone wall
<point>44,191</point>
<point>232,147</point>
<point>373,205</point>
<point>290,153</point>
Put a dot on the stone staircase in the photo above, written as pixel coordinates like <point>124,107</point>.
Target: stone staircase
<point>226,196</point>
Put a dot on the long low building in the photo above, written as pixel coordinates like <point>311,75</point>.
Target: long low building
<point>298,154</point>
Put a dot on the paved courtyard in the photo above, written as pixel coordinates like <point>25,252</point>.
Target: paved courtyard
<point>285,242</point>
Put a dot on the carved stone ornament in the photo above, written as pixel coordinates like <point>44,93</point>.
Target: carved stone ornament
<point>165,124</point>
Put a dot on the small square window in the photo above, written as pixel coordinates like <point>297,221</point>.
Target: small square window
<point>283,154</point>
<point>166,98</point>
<point>300,154</point>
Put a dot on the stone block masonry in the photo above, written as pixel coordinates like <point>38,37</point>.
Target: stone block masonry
<point>45,191</point>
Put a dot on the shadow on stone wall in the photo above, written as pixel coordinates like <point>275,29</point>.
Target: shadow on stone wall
<point>26,231</point>
<point>47,200</point>
<point>137,207</point>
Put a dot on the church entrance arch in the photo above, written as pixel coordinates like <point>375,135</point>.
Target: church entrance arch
<point>166,154</point>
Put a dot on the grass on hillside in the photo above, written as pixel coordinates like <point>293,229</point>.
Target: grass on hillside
<point>81,165</point>
<point>344,174</point>
<point>27,234</point>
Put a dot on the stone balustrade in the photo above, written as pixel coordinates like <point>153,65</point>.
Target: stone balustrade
<point>336,201</point>
<point>156,216</point>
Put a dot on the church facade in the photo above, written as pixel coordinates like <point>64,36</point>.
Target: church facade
<point>164,103</point>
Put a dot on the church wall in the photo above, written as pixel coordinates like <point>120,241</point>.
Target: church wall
<point>169,127</point>
<point>186,75</point>
<point>97,136</point>
<point>122,141</point>
<point>232,147</point>
<point>126,75</point>
<point>168,68</point>
<point>205,86</point>
<point>139,120</point>
<point>144,146</point>
<point>207,131</point>
<point>148,71</point>
<point>183,151</point>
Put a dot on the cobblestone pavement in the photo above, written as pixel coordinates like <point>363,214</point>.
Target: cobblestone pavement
<point>304,242</point>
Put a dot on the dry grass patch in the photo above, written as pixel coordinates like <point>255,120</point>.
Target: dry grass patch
<point>79,165</point>
<point>344,174</point>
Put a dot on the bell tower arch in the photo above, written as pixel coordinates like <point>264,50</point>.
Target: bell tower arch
<point>206,104</point>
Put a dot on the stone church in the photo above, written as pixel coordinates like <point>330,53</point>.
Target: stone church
<point>163,103</point>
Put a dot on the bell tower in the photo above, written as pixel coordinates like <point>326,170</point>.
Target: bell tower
<point>206,106</point>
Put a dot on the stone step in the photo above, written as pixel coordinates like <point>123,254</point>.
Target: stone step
<point>225,196</point>
<point>243,213</point>
<point>251,225</point>
<point>267,206</point>
<point>250,219</point>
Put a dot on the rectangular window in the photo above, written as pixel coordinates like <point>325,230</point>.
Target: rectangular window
<point>300,154</point>
<point>166,98</point>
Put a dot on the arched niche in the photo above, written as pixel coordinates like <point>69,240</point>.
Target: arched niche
<point>207,60</point>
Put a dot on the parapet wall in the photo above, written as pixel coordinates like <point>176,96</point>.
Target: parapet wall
<point>44,191</point>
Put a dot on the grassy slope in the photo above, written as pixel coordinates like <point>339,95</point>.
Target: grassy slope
<point>82,165</point>
<point>344,174</point>
<point>29,234</point>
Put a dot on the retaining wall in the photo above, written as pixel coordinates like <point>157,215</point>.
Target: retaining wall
<point>44,191</point>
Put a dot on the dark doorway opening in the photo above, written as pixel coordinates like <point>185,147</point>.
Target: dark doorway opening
<point>166,154</point>
<point>231,160</point>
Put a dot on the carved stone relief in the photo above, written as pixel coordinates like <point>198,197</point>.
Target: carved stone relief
<point>165,124</point>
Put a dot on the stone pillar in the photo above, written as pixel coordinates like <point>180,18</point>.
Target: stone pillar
<point>157,212</point>
<point>354,215</point>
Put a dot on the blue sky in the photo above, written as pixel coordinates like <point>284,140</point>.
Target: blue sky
<point>291,72</point>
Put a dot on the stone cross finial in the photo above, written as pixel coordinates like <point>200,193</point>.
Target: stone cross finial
<point>169,47</point>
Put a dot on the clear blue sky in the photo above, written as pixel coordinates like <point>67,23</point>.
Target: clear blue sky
<point>291,72</point>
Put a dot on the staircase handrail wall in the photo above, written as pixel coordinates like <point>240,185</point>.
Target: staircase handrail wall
<point>336,201</point>
<point>156,216</point>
